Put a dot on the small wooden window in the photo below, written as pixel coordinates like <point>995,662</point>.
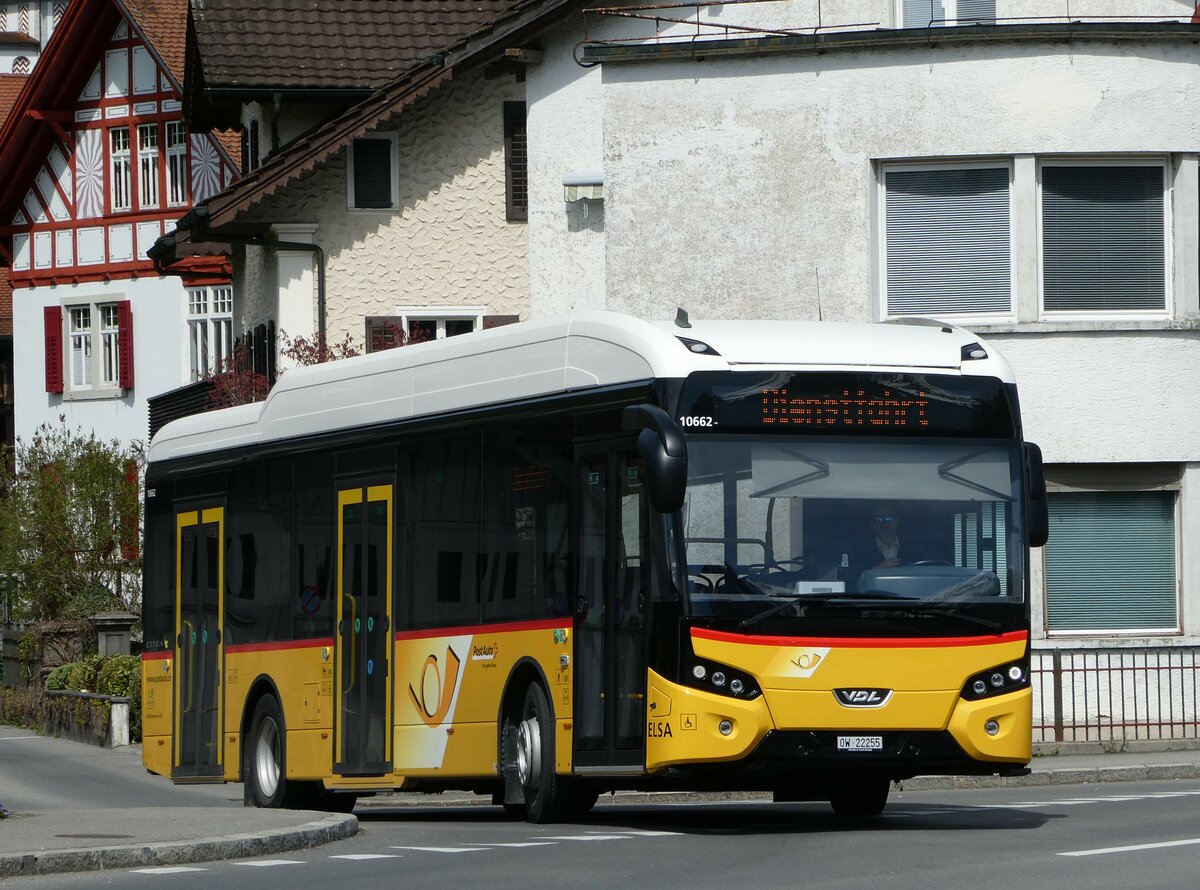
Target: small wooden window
<point>372,173</point>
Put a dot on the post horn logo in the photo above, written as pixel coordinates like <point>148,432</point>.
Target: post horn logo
<point>806,661</point>
<point>436,690</point>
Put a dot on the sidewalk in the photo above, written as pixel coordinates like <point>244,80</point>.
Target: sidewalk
<point>33,843</point>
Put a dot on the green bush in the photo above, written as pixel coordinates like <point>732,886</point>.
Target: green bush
<point>120,675</point>
<point>57,678</point>
<point>21,707</point>
<point>82,676</point>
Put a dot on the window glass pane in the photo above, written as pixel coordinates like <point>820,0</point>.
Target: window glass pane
<point>81,346</point>
<point>119,186</point>
<point>1110,561</point>
<point>110,353</point>
<point>456,326</point>
<point>1103,242</point>
<point>948,241</point>
<point>422,329</point>
<point>148,165</point>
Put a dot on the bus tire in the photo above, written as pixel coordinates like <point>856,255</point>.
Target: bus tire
<point>264,767</point>
<point>545,792</point>
<point>865,796</point>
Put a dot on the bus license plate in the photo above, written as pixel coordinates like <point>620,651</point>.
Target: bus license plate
<point>860,743</point>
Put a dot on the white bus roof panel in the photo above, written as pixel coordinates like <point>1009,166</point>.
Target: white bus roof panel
<point>571,352</point>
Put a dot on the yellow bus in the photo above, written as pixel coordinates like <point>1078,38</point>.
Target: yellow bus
<point>593,553</point>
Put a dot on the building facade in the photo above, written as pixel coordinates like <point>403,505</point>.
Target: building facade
<point>103,164</point>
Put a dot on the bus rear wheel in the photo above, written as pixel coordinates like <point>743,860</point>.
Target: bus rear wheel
<point>264,757</point>
<point>865,796</point>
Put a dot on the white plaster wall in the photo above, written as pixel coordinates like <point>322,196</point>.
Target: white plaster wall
<point>566,135</point>
<point>159,349</point>
<point>756,175</point>
<point>449,244</point>
<point>1106,397</point>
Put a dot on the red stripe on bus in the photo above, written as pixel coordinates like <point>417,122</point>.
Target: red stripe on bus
<point>508,627</point>
<point>281,644</point>
<point>860,642</point>
<point>155,656</point>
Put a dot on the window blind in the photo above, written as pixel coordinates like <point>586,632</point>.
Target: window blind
<point>948,241</point>
<point>1102,238</point>
<point>1110,561</point>
<point>372,173</point>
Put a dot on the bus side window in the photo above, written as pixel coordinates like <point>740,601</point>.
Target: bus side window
<point>526,472</point>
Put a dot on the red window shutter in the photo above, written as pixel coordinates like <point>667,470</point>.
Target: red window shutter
<point>129,522</point>
<point>125,343</point>
<point>54,348</point>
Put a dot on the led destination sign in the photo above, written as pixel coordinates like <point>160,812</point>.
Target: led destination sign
<point>833,403</point>
<point>852,407</point>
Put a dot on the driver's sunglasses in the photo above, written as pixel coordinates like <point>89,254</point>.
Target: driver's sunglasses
<point>879,520</point>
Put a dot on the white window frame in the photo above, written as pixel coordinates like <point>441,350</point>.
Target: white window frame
<point>209,329</point>
<point>99,346</point>
<point>1006,163</point>
<point>148,172</point>
<point>393,159</point>
<point>177,164</point>
<point>440,315</point>
<point>950,21</point>
<point>119,181</point>
<point>1168,260</point>
<point>1175,489</point>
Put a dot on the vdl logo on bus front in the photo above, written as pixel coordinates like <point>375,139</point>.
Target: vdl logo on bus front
<point>863,698</point>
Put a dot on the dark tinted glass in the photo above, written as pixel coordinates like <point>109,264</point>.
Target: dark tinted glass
<point>258,539</point>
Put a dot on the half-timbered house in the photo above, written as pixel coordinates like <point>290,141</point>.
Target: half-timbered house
<point>99,164</point>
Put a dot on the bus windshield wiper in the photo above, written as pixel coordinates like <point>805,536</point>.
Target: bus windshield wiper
<point>898,603</point>
<point>789,600</point>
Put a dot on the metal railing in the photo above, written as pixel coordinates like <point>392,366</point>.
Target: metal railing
<point>1102,695</point>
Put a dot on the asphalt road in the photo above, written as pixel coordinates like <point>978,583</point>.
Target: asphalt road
<point>1129,835</point>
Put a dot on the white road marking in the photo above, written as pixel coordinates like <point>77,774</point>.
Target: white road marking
<point>1134,847</point>
<point>267,863</point>
<point>524,844</point>
<point>165,870</point>
<point>358,857</point>
<point>650,833</point>
<point>441,849</point>
<point>18,738</point>
<point>589,837</point>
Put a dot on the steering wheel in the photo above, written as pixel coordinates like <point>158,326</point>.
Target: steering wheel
<point>701,583</point>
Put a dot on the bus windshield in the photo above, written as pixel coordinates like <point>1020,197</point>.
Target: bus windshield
<point>891,522</point>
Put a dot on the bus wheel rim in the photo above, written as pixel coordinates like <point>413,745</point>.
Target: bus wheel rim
<point>266,758</point>
<point>529,752</point>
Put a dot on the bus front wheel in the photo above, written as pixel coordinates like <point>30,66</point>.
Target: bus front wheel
<point>545,791</point>
<point>865,796</point>
<point>264,766</point>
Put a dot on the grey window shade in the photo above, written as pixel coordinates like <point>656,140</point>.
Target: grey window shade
<point>948,242</point>
<point>1110,561</point>
<point>972,12</point>
<point>1102,239</point>
<point>920,13</point>
<point>372,173</point>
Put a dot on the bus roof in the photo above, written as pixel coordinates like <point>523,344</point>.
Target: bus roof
<point>566,353</point>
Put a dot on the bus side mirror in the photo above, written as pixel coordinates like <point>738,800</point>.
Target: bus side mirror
<point>1037,513</point>
<point>664,452</point>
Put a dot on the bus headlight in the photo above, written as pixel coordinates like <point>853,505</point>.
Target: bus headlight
<point>721,679</point>
<point>999,680</point>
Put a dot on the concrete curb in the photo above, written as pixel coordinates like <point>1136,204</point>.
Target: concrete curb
<point>276,840</point>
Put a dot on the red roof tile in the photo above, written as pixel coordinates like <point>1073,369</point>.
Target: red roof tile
<point>164,25</point>
<point>10,87</point>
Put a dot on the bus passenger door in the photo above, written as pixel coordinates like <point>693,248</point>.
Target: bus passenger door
<point>364,631</point>
<point>199,617</point>
<point>610,614</point>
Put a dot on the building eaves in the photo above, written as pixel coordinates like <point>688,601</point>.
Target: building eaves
<point>17,38</point>
<point>163,27</point>
<point>320,144</point>
<point>615,51</point>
